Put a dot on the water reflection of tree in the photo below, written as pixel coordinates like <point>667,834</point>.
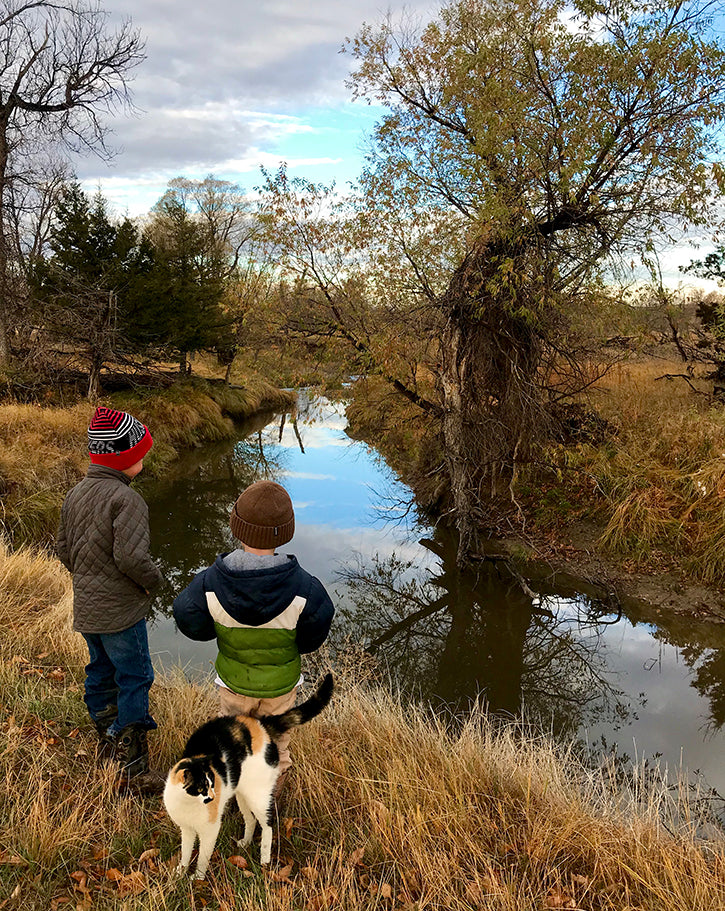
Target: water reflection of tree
<point>702,647</point>
<point>189,507</point>
<point>454,635</point>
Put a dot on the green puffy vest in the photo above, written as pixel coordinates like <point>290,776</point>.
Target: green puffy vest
<point>258,661</point>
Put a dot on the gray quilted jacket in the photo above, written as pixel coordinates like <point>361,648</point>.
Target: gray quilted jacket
<point>103,539</point>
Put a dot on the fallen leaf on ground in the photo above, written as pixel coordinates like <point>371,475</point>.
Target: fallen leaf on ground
<point>310,873</point>
<point>329,898</point>
<point>281,876</point>
<point>357,856</point>
<point>236,860</point>
<point>556,899</point>
<point>386,891</point>
<point>15,859</point>
<point>379,812</point>
<point>81,882</point>
<point>114,874</point>
<point>148,854</point>
<point>132,883</point>
<point>288,823</point>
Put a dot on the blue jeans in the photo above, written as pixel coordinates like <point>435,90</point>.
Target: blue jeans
<point>120,675</point>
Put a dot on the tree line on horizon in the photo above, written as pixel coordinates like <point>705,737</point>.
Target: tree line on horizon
<point>164,286</point>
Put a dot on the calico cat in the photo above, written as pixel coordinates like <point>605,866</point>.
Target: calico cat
<point>232,756</point>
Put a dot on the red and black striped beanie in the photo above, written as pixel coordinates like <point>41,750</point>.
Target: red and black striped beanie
<point>116,439</point>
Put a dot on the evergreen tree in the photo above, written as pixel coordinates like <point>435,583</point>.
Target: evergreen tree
<point>89,290</point>
<point>187,281</point>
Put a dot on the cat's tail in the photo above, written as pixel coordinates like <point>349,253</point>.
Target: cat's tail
<point>300,714</point>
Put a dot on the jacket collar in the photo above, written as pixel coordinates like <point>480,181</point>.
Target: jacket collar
<point>103,471</point>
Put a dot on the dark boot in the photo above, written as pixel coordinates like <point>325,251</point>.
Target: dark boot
<point>132,754</point>
<point>106,742</point>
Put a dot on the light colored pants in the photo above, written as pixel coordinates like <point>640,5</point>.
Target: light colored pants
<point>231,703</point>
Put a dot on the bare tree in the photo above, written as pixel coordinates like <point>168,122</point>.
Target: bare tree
<point>29,204</point>
<point>89,316</point>
<point>60,71</point>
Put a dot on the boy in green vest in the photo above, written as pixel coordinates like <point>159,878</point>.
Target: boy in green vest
<point>263,609</point>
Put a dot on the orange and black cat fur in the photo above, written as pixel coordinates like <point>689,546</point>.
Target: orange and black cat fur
<point>232,756</point>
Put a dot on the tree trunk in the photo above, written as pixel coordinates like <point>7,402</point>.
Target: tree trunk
<point>94,377</point>
<point>490,358</point>
<point>5,353</point>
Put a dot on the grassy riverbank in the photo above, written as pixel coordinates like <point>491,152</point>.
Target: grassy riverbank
<point>43,450</point>
<point>386,809</point>
<point>647,494</point>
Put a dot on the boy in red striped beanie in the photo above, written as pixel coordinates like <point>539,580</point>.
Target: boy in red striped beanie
<point>103,540</point>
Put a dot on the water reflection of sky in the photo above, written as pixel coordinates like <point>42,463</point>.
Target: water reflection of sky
<point>336,482</point>
<point>344,498</point>
<point>675,718</point>
<point>670,716</point>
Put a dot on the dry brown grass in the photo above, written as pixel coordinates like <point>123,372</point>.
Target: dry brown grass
<point>658,486</point>
<point>388,808</point>
<point>41,455</point>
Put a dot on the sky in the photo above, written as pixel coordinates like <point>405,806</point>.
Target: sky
<point>229,86</point>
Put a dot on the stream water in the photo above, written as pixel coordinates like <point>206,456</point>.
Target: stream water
<point>639,684</point>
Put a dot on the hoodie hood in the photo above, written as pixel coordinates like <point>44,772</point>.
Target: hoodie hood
<point>256,596</point>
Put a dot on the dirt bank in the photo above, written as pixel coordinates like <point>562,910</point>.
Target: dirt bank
<point>571,560</point>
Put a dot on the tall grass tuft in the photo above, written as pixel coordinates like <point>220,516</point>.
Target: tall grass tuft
<point>657,486</point>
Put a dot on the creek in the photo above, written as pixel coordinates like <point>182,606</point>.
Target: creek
<point>643,686</point>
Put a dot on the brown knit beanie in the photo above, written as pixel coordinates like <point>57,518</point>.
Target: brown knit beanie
<point>263,516</point>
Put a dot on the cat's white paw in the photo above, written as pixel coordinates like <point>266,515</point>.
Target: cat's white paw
<point>243,842</point>
<point>197,875</point>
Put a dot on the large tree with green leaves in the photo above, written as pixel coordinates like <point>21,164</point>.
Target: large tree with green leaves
<point>552,140</point>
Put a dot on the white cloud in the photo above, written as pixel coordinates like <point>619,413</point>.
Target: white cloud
<point>229,86</point>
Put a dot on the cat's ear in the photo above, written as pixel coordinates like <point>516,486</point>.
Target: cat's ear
<point>188,778</point>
